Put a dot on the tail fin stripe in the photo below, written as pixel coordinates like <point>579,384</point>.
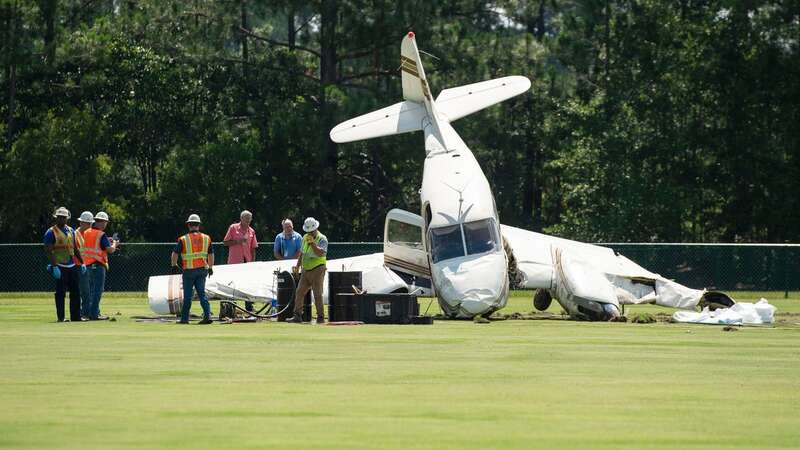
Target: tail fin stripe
<point>407,60</point>
<point>409,71</point>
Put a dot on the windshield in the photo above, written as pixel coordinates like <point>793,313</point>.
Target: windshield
<point>446,243</point>
<point>480,236</point>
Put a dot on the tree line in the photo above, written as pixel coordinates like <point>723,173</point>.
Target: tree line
<point>647,120</point>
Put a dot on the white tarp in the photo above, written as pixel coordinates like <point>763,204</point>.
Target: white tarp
<point>739,314</point>
<point>257,282</point>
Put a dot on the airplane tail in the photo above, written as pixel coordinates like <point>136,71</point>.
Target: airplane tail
<point>418,105</point>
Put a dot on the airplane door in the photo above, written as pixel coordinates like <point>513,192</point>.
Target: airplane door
<point>403,251</point>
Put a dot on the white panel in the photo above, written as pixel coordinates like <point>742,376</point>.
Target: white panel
<point>461,101</point>
<point>399,118</point>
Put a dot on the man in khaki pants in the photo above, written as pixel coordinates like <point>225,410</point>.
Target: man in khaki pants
<point>312,260</point>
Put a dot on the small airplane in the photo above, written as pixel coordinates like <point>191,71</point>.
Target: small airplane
<point>456,248</point>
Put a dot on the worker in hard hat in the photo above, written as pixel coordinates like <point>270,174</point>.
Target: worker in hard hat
<point>312,260</point>
<point>197,261</point>
<point>66,264</point>
<point>242,243</point>
<point>85,221</point>
<point>97,247</point>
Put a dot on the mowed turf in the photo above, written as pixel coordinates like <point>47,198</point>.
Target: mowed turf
<point>508,384</point>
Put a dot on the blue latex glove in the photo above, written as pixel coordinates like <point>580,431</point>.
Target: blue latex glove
<point>55,271</point>
<point>83,269</point>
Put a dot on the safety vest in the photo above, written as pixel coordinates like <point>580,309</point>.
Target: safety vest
<point>310,259</point>
<point>79,241</point>
<point>195,250</point>
<point>92,252</point>
<point>64,246</point>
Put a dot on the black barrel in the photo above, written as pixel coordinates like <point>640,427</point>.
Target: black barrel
<point>340,308</point>
<point>287,286</point>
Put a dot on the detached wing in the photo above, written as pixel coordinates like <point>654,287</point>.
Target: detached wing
<point>585,271</point>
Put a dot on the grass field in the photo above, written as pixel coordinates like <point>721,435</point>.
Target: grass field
<point>509,384</point>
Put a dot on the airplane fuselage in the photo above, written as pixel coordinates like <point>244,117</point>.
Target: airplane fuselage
<point>462,231</point>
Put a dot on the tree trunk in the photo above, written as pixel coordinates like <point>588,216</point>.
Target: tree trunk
<point>291,33</point>
<point>244,25</point>
<point>12,32</point>
<point>328,77</point>
<point>49,10</point>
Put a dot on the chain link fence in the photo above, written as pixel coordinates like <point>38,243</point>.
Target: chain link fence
<point>729,267</point>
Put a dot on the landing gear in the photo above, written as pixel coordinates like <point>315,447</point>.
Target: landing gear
<point>542,299</point>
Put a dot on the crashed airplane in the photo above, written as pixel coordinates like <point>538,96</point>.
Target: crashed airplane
<point>456,249</point>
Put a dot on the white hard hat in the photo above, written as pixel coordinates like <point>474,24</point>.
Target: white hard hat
<point>62,212</point>
<point>310,224</point>
<point>101,216</point>
<point>194,218</point>
<point>87,217</point>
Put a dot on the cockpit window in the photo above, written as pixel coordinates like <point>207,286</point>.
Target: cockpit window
<point>446,243</point>
<point>480,236</point>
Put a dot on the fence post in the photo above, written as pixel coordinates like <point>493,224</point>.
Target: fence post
<point>786,272</point>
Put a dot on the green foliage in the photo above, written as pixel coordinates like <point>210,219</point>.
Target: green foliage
<point>646,121</point>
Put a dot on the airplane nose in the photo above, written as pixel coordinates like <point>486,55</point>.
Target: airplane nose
<point>473,285</point>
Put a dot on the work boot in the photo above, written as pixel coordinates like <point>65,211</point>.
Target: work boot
<point>206,320</point>
<point>182,322</point>
<point>296,318</point>
<point>320,321</point>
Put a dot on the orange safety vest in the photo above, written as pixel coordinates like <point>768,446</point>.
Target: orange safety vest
<point>91,251</point>
<point>195,250</point>
<point>64,245</point>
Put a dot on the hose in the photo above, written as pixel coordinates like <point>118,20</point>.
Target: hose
<point>266,316</point>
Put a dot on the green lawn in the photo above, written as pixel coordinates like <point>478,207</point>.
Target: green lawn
<point>456,384</point>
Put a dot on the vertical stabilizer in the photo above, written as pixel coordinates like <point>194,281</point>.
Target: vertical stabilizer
<point>415,85</point>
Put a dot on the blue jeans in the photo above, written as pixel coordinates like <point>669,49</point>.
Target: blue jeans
<point>86,295</point>
<point>194,278</point>
<point>97,282</point>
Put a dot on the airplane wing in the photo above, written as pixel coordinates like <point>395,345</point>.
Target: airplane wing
<point>256,282</point>
<point>580,275</point>
<point>461,101</point>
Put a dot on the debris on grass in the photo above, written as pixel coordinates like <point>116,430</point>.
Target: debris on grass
<point>113,319</point>
<point>730,328</point>
<point>643,318</point>
<point>481,319</point>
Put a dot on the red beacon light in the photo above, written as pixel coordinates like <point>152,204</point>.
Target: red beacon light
<point>411,35</point>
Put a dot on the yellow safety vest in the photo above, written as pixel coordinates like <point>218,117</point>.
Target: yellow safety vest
<point>310,259</point>
<point>64,246</point>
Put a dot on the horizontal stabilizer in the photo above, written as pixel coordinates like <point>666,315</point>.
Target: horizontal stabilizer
<point>399,118</point>
<point>462,101</point>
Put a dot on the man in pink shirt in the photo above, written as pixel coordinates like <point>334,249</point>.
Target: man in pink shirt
<point>241,240</point>
<point>242,243</point>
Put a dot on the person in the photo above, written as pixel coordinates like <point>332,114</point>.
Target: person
<point>312,259</point>
<point>97,247</point>
<point>197,261</point>
<point>241,240</point>
<point>287,243</point>
<point>242,243</point>
<point>85,222</point>
<point>66,264</point>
